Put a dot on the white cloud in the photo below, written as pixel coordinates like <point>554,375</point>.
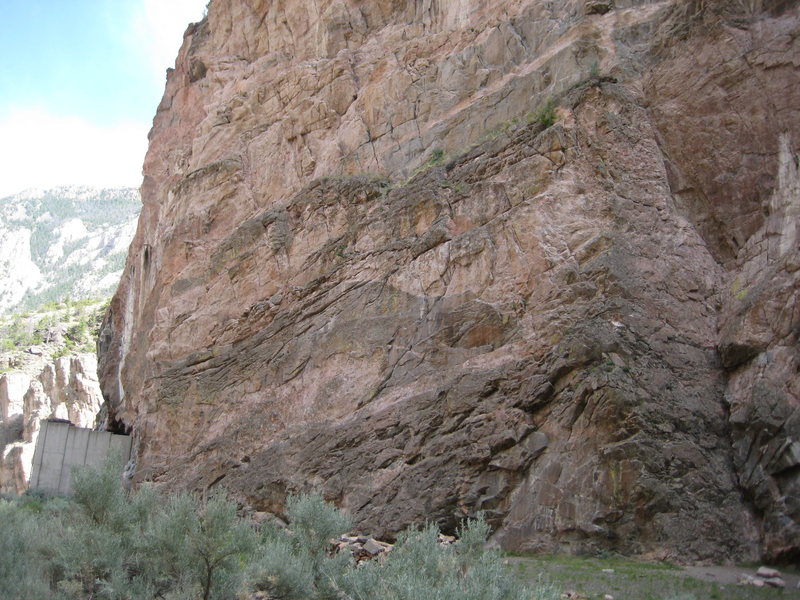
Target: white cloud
<point>40,149</point>
<point>158,27</point>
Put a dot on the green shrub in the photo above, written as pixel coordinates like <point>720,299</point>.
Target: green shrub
<point>21,569</point>
<point>17,334</point>
<point>314,522</point>
<point>436,158</point>
<point>174,545</point>
<point>295,563</point>
<point>79,332</point>
<point>420,567</point>
<point>279,571</point>
<point>106,543</point>
<point>65,350</point>
<point>546,115</point>
<point>218,544</point>
<point>100,496</point>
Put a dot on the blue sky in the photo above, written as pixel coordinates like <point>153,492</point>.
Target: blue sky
<point>79,84</point>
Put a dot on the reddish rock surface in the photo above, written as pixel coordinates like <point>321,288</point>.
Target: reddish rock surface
<point>367,265</point>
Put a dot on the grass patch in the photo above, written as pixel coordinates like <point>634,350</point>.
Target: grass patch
<point>623,577</point>
<point>436,158</point>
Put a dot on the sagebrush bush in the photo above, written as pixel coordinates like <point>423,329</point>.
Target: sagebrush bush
<point>420,567</point>
<point>107,544</point>
<point>21,570</point>
<point>295,562</point>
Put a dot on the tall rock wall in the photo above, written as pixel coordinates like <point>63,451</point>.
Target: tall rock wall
<point>66,388</point>
<point>370,262</point>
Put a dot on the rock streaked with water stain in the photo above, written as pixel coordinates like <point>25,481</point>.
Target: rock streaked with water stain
<point>365,265</point>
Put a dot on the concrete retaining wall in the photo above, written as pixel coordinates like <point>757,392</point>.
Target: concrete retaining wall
<point>62,446</point>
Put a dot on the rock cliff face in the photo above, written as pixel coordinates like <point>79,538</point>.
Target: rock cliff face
<point>66,388</point>
<point>373,260</point>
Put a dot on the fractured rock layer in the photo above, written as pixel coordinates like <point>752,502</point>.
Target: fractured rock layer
<point>369,263</point>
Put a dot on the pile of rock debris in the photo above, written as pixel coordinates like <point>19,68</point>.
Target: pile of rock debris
<point>364,548</point>
<point>765,576</point>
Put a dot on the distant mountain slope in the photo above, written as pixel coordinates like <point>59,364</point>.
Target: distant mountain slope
<point>67,241</point>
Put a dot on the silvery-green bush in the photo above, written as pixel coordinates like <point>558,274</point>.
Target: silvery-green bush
<point>420,567</point>
<point>295,562</point>
<point>106,543</point>
<point>22,573</point>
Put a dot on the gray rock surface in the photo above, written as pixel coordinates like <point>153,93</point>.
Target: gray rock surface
<point>66,388</point>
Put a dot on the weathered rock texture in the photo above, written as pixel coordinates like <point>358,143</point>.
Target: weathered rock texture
<point>66,389</point>
<point>366,265</point>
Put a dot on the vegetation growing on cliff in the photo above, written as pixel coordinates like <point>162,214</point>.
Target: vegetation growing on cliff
<point>546,114</point>
<point>59,328</point>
